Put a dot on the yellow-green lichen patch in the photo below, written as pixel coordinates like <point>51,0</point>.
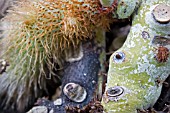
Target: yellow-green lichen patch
<point>139,70</point>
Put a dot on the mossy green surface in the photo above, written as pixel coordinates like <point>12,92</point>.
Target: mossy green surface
<point>107,3</point>
<point>139,70</point>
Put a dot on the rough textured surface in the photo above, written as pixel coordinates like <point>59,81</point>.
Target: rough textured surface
<point>83,72</point>
<point>134,66</point>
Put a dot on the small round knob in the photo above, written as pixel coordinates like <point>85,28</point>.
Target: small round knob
<point>75,92</point>
<point>115,91</point>
<point>119,57</point>
<point>161,13</point>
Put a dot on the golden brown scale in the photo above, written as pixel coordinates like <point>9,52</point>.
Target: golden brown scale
<point>163,54</point>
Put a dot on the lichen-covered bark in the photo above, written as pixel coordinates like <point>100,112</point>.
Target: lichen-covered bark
<point>122,8</point>
<point>37,35</point>
<point>135,71</point>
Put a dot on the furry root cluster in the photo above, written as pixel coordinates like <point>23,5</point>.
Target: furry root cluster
<point>36,37</point>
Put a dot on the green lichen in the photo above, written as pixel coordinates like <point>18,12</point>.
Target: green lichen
<point>125,8</point>
<point>107,3</point>
<point>138,72</point>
